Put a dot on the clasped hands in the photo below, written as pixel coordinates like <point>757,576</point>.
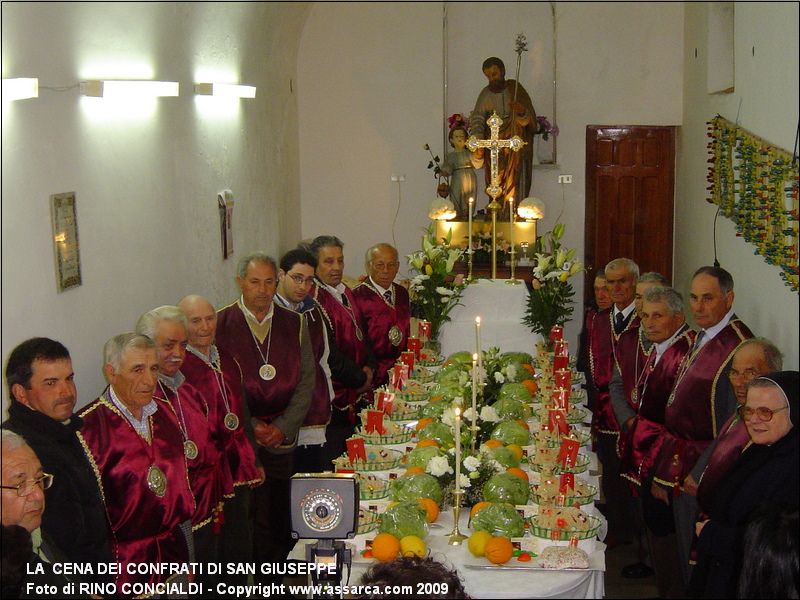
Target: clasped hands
<point>267,435</point>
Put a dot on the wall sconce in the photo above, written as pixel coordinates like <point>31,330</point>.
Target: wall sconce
<point>531,209</point>
<point>225,90</point>
<point>442,210</point>
<point>20,88</point>
<point>110,88</point>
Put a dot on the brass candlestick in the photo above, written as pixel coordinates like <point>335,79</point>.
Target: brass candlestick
<point>513,280</point>
<point>455,537</point>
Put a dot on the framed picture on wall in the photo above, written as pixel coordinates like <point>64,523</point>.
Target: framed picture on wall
<point>65,240</point>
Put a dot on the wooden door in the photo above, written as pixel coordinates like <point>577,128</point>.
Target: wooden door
<point>630,179</point>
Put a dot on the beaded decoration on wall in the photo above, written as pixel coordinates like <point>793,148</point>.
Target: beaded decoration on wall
<point>755,185</point>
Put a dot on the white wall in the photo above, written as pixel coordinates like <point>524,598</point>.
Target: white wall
<point>145,179</point>
<point>766,84</point>
<point>370,97</point>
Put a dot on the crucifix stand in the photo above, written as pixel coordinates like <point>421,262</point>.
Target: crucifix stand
<point>494,143</point>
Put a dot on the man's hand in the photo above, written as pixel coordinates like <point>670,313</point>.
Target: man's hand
<point>368,381</point>
<point>261,477</point>
<point>698,527</point>
<point>659,493</point>
<point>690,485</point>
<point>267,435</point>
<point>626,426</point>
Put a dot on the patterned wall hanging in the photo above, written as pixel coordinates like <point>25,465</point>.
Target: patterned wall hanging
<point>755,185</point>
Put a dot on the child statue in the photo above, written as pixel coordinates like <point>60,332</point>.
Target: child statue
<point>459,167</point>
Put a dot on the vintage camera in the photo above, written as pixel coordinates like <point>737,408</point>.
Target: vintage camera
<point>325,508</point>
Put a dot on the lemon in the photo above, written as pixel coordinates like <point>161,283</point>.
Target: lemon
<point>412,545</point>
<point>516,449</point>
<point>477,542</point>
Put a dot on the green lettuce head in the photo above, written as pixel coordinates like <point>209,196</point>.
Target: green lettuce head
<point>504,456</point>
<point>439,432</point>
<point>459,358</point>
<point>405,518</point>
<point>510,408</point>
<point>511,432</point>
<point>433,410</point>
<point>500,520</point>
<point>516,357</point>
<point>419,457</point>
<point>515,391</point>
<point>411,487</point>
<point>504,487</point>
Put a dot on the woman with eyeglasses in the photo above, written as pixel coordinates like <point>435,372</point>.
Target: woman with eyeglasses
<point>767,474</point>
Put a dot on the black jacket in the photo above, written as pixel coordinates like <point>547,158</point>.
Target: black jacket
<point>74,516</point>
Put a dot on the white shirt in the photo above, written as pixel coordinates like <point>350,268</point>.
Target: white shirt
<point>625,311</point>
<point>712,331</point>
<point>337,291</point>
<point>662,347</point>
<point>252,317</point>
<point>382,291</point>
<point>142,426</point>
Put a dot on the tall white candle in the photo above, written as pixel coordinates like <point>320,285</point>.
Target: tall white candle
<point>469,248</point>
<point>511,217</point>
<point>474,392</point>
<point>478,343</point>
<point>458,448</point>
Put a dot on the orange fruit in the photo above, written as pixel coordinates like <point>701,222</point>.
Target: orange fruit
<point>529,368</point>
<point>436,398</point>
<point>431,509</point>
<point>516,449</point>
<point>498,550</point>
<point>532,386</point>
<point>385,547</point>
<point>478,508</point>
<point>423,443</point>
<point>414,471</point>
<point>493,444</point>
<point>517,472</point>
<point>524,423</point>
<point>423,423</point>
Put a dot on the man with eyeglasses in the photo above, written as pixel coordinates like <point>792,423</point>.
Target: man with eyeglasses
<point>295,280</point>
<point>41,385</point>
<point>27,551</point>
<point>754,358</point>
<point>385,309</point>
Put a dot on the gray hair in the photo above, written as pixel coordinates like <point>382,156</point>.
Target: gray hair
<point>623,263</point>
<point>373,249</point>
<point>148,322</point>
<point>120,344</point>
<point>322,241</point>
<point>653,277</point>
<point>10,440</point>
<point>669,296</point>
<point>772,355</point>
<point>255,257</point>
<point>724,279</point>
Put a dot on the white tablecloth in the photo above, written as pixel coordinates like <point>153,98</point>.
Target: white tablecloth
<point>501,307</point>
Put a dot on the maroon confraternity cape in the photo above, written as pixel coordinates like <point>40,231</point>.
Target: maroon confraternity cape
<point>345,323</point>
<point>267,399</point>
<point>731,442</point>
<point>601,361</point>
<point>209,378</point>
<point>646,434</point>
<point>209,474</point>
<point>690,418</point>
<point>144,527</point>
<point>380,316</point>
<point>319,413</point>
<point>630,358</point>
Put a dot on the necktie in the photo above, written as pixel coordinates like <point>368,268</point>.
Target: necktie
<point>345,301</point>
<point>388,295</point>
<point>619,322</point>
<point>699,339</point>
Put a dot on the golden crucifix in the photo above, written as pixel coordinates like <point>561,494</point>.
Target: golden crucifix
<point>494,143</point>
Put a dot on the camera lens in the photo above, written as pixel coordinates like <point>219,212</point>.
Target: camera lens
<point>322,511</point>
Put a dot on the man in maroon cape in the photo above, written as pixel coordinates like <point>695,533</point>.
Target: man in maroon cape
<point>609,325</point>
<point>218,376</point>
<point>701,399</point>
<point>272,345</point>
<point>135,443</point>
<point>343,313</point>
<point>385,309</point>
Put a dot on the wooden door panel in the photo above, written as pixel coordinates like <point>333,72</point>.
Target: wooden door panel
<point>629,197</point>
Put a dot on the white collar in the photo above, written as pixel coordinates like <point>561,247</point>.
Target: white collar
<point>662,346</point>
<point>381,290</point>
<point>252,317</point>
<point>337,291</point>
<point>626,311</point>
<point>142,426</point>
<point>712,331</point>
